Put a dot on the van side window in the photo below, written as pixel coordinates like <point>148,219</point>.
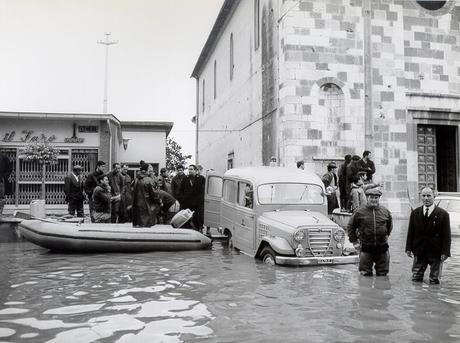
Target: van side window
<point>245,194</point>
<point>215,186</point>
<point>229,193</point>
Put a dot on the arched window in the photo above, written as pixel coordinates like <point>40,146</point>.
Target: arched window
<point>215,79</point>
<point>232,64</point>
<point>432,5</point>
<point>332,99</point>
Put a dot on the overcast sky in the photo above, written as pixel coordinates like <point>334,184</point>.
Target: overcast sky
<point>50,60</point>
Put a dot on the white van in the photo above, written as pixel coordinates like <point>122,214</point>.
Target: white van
<point>276,214</point>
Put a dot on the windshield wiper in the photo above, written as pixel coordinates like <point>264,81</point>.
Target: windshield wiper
<point>304,191</point>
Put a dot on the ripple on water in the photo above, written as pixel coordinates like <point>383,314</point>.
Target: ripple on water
<point>74,309</point>
<point>4,332</point>
<point>167,331</point>
<point>12,310</point>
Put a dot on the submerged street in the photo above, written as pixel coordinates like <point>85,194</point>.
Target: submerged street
<point>219,295</point>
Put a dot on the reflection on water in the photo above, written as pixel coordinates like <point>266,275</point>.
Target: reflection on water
<point>219,296</point>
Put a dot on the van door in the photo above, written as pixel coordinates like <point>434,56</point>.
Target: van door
<point>246,218</point>
<point>212,199</point>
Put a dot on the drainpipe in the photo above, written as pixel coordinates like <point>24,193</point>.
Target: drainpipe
<point>110,145</point>
<point>197,120</point>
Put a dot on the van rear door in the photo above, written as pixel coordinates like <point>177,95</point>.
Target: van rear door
<point>212,199</point>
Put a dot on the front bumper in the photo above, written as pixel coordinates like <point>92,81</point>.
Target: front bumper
<point>315,261</point>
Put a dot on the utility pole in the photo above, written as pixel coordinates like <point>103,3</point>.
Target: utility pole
<point>107,43</point>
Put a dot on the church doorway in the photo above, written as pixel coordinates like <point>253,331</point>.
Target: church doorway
<point>437,157</point>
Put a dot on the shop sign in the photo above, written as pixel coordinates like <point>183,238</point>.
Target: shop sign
<point>28,136</point>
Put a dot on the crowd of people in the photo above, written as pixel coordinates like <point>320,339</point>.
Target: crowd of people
<point>351,181</point>
<point>147,200</point>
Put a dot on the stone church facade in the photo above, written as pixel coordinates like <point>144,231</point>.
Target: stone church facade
<point>316,80</point>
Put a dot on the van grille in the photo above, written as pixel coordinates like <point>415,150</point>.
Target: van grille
<point>319,241</point>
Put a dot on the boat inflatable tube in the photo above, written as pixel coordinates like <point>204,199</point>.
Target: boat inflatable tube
<point>70,237</point>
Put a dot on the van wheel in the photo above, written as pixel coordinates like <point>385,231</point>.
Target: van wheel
<point>268,256</point>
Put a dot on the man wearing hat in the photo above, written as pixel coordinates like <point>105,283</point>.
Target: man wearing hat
<point>330,182</point>
<point>73,189</point>
<point>368,231</point>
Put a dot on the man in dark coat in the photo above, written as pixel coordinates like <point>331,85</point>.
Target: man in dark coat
<point>6,167</point>
<point>92,181</point>
<point>351,170</point>
<point>344,195</point>
<point>368,231</point>
<point>74,193</point>
<point>126,202</point>
<point>367,164</point>
<point>201,179</point>
<point>192,189</point>
<point>428,238</point>
<point>116,182</point>
<point>176,183</point>
<point>146,200</point>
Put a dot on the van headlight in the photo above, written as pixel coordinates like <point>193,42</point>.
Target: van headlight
<point>299,235</point>
<point>339,235</point>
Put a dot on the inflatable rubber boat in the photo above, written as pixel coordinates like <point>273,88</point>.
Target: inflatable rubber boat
<point>72,237</point>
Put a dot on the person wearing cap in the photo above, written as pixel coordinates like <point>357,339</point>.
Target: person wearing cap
<point>330,183</point>
<point>368,230</point>
<point>74,193</point>
<point>273,161</point>
<point>92,181</point>
<point>300,165</point>
<point>428,238</point>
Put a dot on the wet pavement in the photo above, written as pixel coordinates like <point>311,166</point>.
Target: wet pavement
<point>219,295</point>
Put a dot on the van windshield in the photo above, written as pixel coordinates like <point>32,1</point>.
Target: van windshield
<point>289,194</point>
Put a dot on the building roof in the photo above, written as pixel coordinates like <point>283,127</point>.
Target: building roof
<point>58,115</point>
<point>222,18</point>
<point>148,125</point>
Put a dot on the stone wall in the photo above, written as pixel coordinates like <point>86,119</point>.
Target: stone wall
<point>408,49</point>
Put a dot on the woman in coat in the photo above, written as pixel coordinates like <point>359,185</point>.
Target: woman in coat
<point>146,200</point>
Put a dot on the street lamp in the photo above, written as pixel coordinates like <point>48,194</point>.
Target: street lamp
<point>107,42</point>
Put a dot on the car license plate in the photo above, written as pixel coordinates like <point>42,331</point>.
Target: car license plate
<point>322,260</point>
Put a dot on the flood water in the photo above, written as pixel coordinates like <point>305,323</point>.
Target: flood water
<point>219,295</point>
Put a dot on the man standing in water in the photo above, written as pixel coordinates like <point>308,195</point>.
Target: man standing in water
<point>368,231</point>
<point>428,238</point>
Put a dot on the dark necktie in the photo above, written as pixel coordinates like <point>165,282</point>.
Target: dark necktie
<point>426,213</point>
